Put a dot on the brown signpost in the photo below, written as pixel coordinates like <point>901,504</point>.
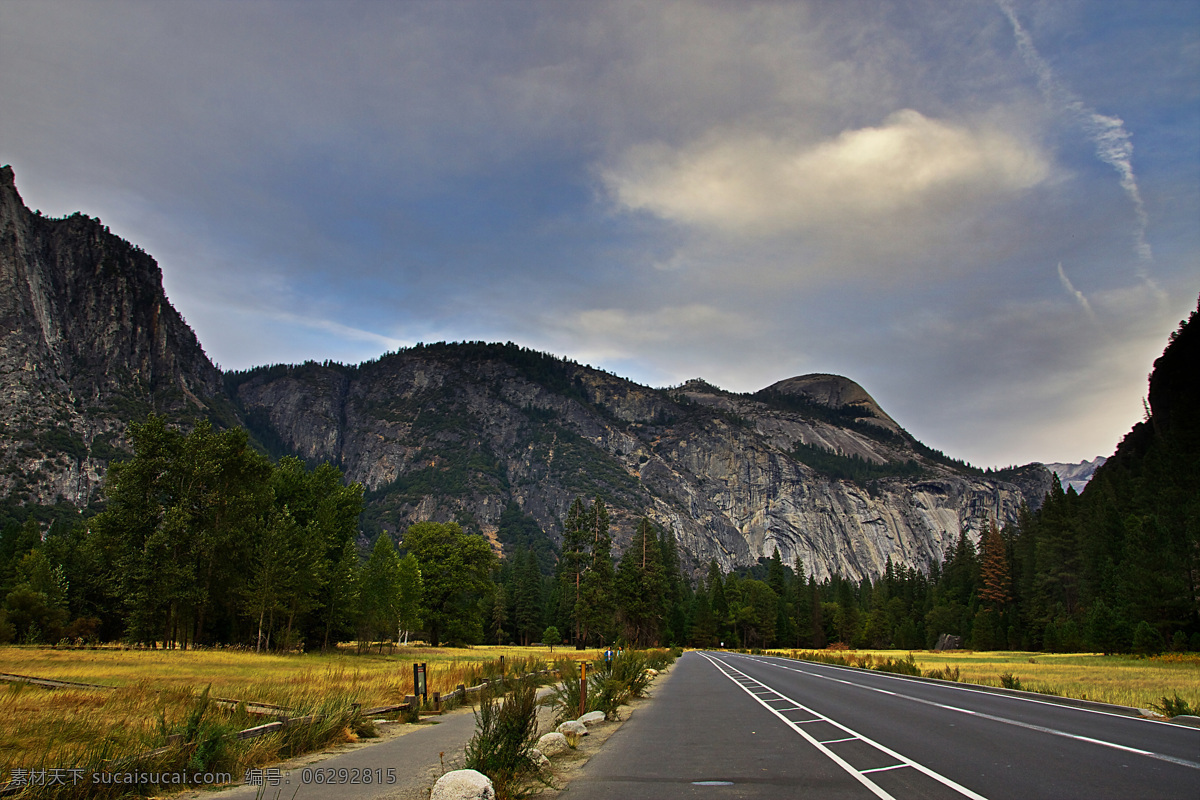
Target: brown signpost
<point>419,683</point>
<point>582,688</point>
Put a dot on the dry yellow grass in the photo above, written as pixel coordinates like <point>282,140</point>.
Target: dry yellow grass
<point>377,679</point>
<point>1123,680</point>
<point>154,689</point>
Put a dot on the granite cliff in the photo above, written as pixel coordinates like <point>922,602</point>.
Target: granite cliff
<point>811,465</point>
<point>459,431</point>
<point>88,341</point>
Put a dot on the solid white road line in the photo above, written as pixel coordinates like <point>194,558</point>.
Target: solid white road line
<point>743,681</point>
<point>1005,720</point>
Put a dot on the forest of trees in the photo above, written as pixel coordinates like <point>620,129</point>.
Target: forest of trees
<point>203,540</point>
<point>1116,569</point>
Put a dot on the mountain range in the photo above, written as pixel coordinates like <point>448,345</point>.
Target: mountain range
<point>480,433</point>
<point>1076,476</point>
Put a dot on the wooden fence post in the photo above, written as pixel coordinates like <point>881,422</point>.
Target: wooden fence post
<point>582,688</point>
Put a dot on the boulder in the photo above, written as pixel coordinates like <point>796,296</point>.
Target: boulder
<point>552,744</point>
<point>539,758</point>
<point>572,727</point>
<point>463,784</point>
<point>948,641</point>
<point>592,718</point>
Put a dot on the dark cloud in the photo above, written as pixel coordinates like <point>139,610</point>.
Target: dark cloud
<point>740,191</point>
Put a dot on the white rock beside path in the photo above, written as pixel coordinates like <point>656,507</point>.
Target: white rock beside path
<point>463,784</point>
<point>552,744</point>
<point>572,727</point>
<point>592,718</point>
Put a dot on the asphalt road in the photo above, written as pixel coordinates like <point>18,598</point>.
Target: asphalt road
<point>728,726</point>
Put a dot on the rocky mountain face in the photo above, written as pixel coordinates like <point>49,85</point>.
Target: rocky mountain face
<point>811,465</point>
<point>88,341</point>
<point>1075,476</point>
<point>459,431</point>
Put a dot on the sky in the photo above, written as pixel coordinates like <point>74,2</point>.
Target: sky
<point>985,212</point>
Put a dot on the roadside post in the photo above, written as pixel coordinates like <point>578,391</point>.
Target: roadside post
<point>419,687</point>
<point>582,688</point>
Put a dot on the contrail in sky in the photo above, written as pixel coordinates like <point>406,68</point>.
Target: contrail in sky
<point>1113,143</point>
<point>1078,295</point>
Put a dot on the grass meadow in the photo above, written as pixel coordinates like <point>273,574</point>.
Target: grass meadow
<point>1136,681</point>
<point>157,693</point>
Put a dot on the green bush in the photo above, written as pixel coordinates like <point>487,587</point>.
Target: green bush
<point>606,693</point>
<point>1175,707</point>
<point>1010,681</point>
<point>204,736</point>
<point>505,735</point>
<point>564,699</point>
<point>661,659</point>
<point>629,670</point>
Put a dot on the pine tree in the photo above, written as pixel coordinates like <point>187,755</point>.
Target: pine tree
<point>571,564</point>
<point>717,600</point>
<point>995,581</point>
<point>703,632</point>
<point>527,600</point>
<point>595,607</point>
<point>641,600</point>
<point>379,593</point>
<point>777,581</point>
<point>802,596</point>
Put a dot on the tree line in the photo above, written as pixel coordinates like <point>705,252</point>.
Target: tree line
<point>203,540</point>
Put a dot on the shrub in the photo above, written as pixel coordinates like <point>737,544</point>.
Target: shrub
<point>947,673</point>
<point>564,699</point>
<point>900,666</point>
<point>204,736</point>
<point>629,670</point>
<point>606,693</point>
<point>661,659</point>
<point>1175,707</point>
<point>505,733</point>
<point>1010,681</point>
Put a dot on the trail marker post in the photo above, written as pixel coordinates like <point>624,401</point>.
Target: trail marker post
<point>419,687</point>
<point>582,688</point>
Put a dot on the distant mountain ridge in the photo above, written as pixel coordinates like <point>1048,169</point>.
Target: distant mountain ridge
<point>1076,476</point>
<point>810,465</point>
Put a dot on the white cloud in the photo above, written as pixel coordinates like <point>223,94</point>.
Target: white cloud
<point>911,168</point>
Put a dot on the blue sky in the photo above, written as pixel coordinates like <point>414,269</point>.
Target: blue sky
<point>986,213</point>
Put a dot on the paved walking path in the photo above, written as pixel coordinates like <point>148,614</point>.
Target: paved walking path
<point>415,753</point>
